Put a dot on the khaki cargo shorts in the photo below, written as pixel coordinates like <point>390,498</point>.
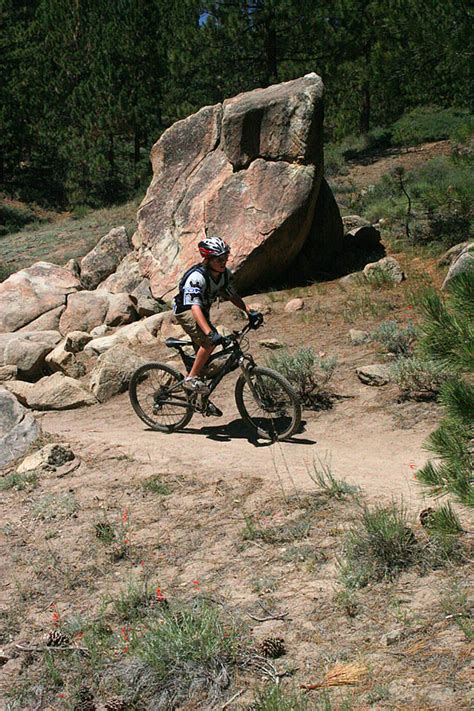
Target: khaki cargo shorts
<point>188,323</point>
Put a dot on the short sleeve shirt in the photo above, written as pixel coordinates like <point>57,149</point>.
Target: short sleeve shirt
<point>196,292</point>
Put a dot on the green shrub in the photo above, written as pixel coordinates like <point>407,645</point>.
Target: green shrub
<point>188,650</point>
<point>441,201</point>
<point>306,371</point>
<point>13,218</point>
<point>444,521</point>
<point>28,480</point>
<point>380,545</point>
<point>429,123</point>
<point>274,698</point>
<point>448,338</point>
<point>395,338</point>
<point>418,378</point>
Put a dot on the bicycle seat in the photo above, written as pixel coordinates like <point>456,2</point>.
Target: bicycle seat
<point>176,343</point>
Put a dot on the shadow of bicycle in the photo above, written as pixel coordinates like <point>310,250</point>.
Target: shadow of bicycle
<point>238,429</point>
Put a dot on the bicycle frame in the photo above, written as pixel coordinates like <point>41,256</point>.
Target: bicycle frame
<point>237,359</point>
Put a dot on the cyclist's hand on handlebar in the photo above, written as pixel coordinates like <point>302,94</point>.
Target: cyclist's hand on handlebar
<point>255,319</point>
<point>215,338</point>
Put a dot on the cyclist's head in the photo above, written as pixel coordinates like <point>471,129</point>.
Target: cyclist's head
<point>213,247</point>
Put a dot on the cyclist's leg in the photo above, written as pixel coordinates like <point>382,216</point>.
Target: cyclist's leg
<point>200,341</point>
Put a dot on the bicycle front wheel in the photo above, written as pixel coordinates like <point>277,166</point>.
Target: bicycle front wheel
<point>270,404</point>
<point>156,399</point>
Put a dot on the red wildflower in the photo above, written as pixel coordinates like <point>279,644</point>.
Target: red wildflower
<point>125,517</point>
<point>159,595</point>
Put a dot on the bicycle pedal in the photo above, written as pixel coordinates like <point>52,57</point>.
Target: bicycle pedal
<point>212,411</point>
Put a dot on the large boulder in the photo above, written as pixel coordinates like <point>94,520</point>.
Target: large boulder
<point>88,309</point>
<point>54,392</point>
<point>462,264</point>
<point>126,278</point>
<point>113,371</point>
<point>32,292</point>
<point>63,360</point>
<point>249,170</point>
<point>104,259</point>
<point>27,351</point>
<point>18,428</point>
<point>48,321</point>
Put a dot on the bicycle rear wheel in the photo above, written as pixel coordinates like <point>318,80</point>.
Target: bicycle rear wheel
<point>271,406</point>
<point>155,399</point>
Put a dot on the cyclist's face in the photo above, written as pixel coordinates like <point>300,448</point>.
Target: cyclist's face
<point>217,264</point>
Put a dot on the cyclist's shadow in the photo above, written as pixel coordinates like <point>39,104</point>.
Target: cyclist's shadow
<point>238,429</point>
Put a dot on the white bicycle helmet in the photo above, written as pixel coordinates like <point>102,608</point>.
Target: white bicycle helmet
<point>213,247</point>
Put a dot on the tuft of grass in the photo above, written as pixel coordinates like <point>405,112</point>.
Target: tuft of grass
<point>135,600</point>
<point>28,480</point>
<point>275,698</point>
<point>364,304</point>
<point>380,545</point>
<point>395,338</point>
<point>188,651</point>
<point>155,485</point>
<point>458,607</point>
<point>55,506</point>
<point>105,532</point>
<point>294,530</point>
<point>418,378</point>
<point>321,475</point>
<point>307,372</point>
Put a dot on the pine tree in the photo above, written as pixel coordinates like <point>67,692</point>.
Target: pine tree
<point>448,337</point>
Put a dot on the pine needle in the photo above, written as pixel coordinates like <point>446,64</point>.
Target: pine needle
<point>340,675</point>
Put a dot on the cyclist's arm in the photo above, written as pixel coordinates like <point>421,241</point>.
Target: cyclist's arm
<point>201,320</point>
<point>239,302</point>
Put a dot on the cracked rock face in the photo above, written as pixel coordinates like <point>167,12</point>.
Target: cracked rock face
<point>29,293</point>
<point>18,428</point>
<point>248,170</point>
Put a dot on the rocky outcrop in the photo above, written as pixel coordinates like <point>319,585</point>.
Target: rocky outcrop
<point>49,321</point>
<point>249,170</point>
<point>54,392</point>
<point>104,259</point>
<point>141,332</point>
<point>387,268</point>
<point>30,293</point>
<point>18,428</point>
<point>113,371</point>
<point>126,278</point>
<point>377,374</point>
<point>88,309</point>
<point>462,264</point>
<point>53,458</point>
<point>27,351</point>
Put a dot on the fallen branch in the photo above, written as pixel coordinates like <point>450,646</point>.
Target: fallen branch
<point>233,698</point>
<point>69,647</point>
<point>271,615</point>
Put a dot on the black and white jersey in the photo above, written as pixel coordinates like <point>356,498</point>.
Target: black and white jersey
<point>200,289</point>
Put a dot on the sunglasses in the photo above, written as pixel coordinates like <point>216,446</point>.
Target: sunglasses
<point>222,259</point>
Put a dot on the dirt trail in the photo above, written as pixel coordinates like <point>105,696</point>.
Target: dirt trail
<point>361,446</point>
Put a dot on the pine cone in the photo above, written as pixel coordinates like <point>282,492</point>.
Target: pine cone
<point>272,647</point>
<point>116,704</point>
<point>56,638</point>
<point>426,517</point>
<point>85,700</point>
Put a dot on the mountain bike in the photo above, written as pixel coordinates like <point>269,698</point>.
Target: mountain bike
<point>265,399</point>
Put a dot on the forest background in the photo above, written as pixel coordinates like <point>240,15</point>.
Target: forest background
<point>88,85</point>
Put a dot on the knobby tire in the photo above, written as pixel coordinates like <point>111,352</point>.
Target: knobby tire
<point>276,414</point>
<point>147,390</point>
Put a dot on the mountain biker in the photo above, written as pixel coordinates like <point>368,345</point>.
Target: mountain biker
<point>199,287</point>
